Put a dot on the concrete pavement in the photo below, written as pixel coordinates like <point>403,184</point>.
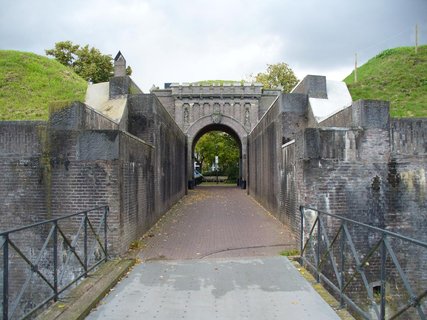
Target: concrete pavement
<point>215,255</point>
<point>239,288</point>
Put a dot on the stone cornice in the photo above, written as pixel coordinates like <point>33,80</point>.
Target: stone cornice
<point>226,90</point>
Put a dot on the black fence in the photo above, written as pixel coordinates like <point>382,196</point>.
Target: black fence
<point>39,262</point>
<point>378,274</point>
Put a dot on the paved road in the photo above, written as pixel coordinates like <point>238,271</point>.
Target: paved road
<point>214,222</point>
<point>228,289</point>
<point>215,256</point>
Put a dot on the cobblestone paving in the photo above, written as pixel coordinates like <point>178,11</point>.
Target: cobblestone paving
<point>216,222</point>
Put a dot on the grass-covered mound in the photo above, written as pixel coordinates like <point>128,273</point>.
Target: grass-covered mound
<point>398,75</point>
<point>29,83</point>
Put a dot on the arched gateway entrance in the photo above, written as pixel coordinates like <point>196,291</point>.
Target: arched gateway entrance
<point>218,123</point>
<point>234,108</point>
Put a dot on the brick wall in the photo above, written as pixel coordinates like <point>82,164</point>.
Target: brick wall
<point>268,182</point>
<point>79,160</point>
<point>151,122</point>
<point>21,188</point>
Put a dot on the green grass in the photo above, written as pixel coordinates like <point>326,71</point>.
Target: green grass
<point>290,253</point>
<point>396,75</point>
<point>29,83</point>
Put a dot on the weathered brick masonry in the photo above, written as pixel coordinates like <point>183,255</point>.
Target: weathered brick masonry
<point>80,160</point>
<point>149,120</point>
<point>358,163</point>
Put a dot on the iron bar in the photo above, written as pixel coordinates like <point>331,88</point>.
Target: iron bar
<point>6,277</point>
<point>383,276</point>
<point>403,277</point>
<point>71,247</point>
<point>48,221</point>
<point>96,234</point>
<point>106,211</point>
<point>390,233</point>
<point>301,210</point>
<point>337,290</point>
<point>409,305</point>
<point>309,235</point>
<point>342,264</point>
<point>359,269</point>
<point>6,244</point>
<point>85,243</point>
<point>329,246</point>
<point>319,239</point>
<point>55,261</point>
<point>382,246</point>
<point>34,269</point>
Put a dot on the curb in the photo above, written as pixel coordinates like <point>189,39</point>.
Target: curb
<point>81,300</point>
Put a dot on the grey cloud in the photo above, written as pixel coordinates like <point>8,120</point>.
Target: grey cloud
<point>191,40</point>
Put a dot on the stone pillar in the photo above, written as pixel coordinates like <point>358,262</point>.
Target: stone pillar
<point>119,65</point>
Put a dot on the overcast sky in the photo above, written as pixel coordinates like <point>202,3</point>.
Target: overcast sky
<point>191,40</point>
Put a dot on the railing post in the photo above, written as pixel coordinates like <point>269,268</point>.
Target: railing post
<point>319,239</point>
<point>301,209</point>
<point>55,260</point>
<point>6,277</point>
<point>85,243</point>
<point>342,265</point>
<point>383,276</point>
<point>106,210</point>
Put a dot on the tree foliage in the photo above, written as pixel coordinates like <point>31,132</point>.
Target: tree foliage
<point>88,63</point>
<point>278,75</point>
<point>222,144</point>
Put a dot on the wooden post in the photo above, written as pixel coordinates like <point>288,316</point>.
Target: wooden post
<point>416,38</point>
<point>355,67</point>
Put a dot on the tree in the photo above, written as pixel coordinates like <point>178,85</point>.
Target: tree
<point>278,75</point>
<point>88,63</point>
<point>64,52</point>
<point>93,65</point>
<point>128,71</point>
<point>222,144</point>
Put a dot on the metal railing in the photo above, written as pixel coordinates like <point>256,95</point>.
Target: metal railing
<point>379,274</point>
<point>40,261</point>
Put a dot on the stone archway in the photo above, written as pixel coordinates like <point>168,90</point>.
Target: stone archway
<point>221,123</point>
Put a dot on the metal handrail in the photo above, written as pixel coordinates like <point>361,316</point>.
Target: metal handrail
<point>54,279</point>
<point>318,237</point>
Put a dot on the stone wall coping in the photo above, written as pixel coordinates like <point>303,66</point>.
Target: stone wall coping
<point>218,84</point>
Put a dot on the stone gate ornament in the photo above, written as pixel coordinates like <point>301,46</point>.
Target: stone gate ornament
<point>216,117</point>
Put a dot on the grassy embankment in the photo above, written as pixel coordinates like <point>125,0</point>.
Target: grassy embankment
<point>29,83</point>
<point>397,75</point>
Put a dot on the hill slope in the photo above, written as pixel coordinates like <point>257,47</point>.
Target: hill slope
<point>397,75</point>
<point>29,83</point>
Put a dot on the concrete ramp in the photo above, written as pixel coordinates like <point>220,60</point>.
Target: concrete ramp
<point>240,288</point>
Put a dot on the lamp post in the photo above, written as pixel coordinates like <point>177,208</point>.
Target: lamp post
<point>216,162</point>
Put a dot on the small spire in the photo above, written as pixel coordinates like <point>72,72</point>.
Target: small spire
<point>119,65</point>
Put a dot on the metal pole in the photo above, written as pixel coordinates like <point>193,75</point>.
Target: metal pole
<point>6,278</point>
<point>85,243</point>
<point>319,238</point>
<point>55,260</point>
<point>355,67</point>
<point>106,210</point>
<point>216,163</point>
<point>383,277</point>
<point>416,38</point>
<point>301,209</point>
<point>342,266</point>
